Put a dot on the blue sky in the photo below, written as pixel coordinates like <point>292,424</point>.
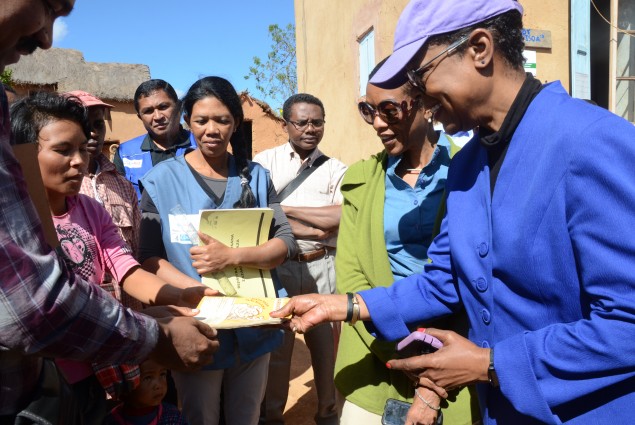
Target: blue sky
<point>180,41</point>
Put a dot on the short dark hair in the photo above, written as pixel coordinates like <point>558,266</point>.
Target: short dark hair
<point>223,90</point>
<point>508,37</point>
<point>30,114</point>
<point>300,98</point>
<point>146,88</point>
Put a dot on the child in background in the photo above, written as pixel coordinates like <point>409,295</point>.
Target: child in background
<point>144,405</point>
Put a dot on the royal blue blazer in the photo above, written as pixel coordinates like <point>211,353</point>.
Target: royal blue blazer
<point>545,267</point>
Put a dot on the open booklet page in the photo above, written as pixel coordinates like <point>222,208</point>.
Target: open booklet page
<point>239,228</point>
<point>238,312</point>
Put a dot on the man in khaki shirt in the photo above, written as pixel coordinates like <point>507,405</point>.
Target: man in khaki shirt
<point>313,210</point>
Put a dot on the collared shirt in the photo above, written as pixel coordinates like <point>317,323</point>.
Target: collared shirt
<point>118,197</point>
<point>322,188</point>
<point>44,309</point>
<point>410,212</point>
<point>156,153</point>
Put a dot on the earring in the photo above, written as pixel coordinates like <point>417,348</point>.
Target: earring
<point>430,120</point>
<point>482,62</point>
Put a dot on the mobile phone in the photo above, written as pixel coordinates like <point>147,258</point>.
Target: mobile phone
<point>418,343</point>
<point>395,412</point>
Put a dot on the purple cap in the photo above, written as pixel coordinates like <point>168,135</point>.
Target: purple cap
<point>422,19</point>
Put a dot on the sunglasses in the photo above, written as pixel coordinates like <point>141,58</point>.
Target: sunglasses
<point>414,75</point>
<point>304,124</point>
<point>389,111</point>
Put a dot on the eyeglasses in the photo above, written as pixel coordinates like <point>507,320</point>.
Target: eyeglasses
<point>414,75</point>
<point>389,111</point>
<point>304,124</point>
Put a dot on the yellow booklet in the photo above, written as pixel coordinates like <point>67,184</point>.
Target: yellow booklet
<point>239,312</point>
<point>243,227</point>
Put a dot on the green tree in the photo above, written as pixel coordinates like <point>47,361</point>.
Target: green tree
<point>5,78</point>
<point>276,77</point>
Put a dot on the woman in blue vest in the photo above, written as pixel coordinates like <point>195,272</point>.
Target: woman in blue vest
<point>206,178</point>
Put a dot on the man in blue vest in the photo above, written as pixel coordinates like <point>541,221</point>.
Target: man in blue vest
<point>157,107</point>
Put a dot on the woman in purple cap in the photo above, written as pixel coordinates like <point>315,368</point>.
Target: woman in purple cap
<point>534,245</point>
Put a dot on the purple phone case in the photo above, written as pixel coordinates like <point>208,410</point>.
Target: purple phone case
<point>418,343</point>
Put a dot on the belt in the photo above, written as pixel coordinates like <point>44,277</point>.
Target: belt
<point>304,257</point>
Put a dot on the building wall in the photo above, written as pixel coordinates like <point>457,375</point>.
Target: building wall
<point>328,60</point>
<point>266,131</point>
<point>124,124</point>
<point>552,64</point>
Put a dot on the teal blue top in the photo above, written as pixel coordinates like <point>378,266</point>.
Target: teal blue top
<point>410,212</point>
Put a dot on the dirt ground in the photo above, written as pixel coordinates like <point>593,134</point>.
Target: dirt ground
<point>302,402</point>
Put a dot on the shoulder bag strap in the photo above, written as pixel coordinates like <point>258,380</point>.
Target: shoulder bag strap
<point>300,178</point>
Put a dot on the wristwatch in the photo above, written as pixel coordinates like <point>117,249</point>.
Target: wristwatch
<point>491,371</point>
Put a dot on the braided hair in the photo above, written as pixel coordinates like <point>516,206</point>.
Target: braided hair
<point>222,90</point>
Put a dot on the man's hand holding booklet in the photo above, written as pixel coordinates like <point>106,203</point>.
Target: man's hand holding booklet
<point>239,312</point>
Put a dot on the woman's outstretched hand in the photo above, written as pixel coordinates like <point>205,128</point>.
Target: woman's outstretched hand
<point>307,311</point>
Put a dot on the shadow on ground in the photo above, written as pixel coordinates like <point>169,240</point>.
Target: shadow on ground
<point>302,402</point>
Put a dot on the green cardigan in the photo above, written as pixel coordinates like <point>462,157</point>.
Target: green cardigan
<point>362,263</point>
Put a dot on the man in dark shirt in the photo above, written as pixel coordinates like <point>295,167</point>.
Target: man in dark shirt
<point>157,107</point>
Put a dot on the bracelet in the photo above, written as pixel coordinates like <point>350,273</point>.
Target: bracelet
<point>435,408</point>
<point>349,307</point>
<point>356,311</point>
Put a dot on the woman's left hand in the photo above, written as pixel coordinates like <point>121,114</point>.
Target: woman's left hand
<point>211,257</point>
<point>459,362</point>
<point>420,413</point>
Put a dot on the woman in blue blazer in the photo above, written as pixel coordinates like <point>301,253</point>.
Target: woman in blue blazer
<point>537,242</point>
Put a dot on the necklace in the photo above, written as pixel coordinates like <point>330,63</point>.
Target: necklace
<point>414,170</point>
